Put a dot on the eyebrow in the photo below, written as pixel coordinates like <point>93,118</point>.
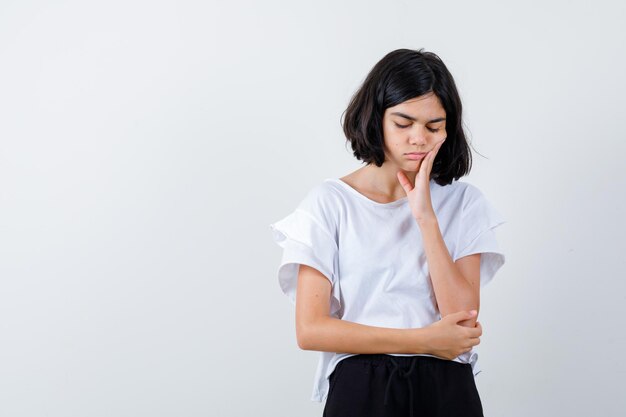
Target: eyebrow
<point>406,116</point>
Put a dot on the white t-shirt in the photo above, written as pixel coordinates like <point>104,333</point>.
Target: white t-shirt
<point>372,253</point>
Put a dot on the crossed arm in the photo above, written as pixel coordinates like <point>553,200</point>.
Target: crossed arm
<point>456,284</point>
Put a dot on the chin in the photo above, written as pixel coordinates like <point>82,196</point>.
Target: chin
<point>413,166</point>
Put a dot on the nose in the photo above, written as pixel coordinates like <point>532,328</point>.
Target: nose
<point>418,137</point>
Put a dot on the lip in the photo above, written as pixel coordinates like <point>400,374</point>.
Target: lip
<point>415,155</point>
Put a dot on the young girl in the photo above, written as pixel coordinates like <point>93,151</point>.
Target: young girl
<point>387,262</point>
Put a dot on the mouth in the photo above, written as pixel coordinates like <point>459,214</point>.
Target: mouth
<point>415,155</point>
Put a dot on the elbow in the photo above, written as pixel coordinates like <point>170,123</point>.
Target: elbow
<point>303,337</point>
<point>307,333</point>
<point>302,342</point>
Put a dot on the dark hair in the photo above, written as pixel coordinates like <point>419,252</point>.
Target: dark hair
<point>402,75</point>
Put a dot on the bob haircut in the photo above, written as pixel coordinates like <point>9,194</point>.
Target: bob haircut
<point>401,75</point>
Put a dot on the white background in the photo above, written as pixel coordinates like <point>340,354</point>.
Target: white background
<point>145,146</point>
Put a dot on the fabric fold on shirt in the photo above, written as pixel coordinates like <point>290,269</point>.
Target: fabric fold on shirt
<point>372,253</point>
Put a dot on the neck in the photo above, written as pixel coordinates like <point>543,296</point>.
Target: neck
<point>384,179</point>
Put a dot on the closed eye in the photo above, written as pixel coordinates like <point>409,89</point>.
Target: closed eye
<point>405,126</point>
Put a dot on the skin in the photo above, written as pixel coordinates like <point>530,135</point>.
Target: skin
<point>416,136</point>
<point>456,284</point>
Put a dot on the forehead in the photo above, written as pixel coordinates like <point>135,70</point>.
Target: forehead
<point>426,106</point>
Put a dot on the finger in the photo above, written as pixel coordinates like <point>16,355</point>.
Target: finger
<point>474,341</point>
<point>404,181</point>
<point>433,154</point>
<point>476,331</point>
<point>427,162</point>
<point>424,166</point>
<point>429,159</point>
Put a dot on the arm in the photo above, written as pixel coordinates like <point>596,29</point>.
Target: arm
<point>316,330</point>
<point>453,291</point>
<point>329,334</point>
<point>456,284</point>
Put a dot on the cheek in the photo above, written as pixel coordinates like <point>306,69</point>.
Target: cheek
<point>393,140</point>
<point>437,136</point>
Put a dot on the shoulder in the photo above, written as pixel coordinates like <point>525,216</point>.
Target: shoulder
<point>323,196</point>
<point>463,201</point>
<point>460,192</point>
<point>470,192</point>
<point>475,204</point>
<point>323,202</point>
<point>463,191</point>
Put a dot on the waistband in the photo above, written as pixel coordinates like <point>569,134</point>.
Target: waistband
<point>382,358</point>
<point>403,367</point>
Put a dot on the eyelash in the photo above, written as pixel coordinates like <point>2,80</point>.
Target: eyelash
<point>405,126</point>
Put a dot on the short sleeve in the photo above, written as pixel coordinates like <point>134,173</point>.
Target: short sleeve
<point>305,239</point>
<point>478,224</point>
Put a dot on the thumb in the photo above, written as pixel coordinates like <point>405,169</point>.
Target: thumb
<point>404,181</point>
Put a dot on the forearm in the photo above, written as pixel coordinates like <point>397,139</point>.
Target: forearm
<point>330,334</point>
<point>452,291</point>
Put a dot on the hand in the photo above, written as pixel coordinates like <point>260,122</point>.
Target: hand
<point>447,339</point>
<point>419,196</point>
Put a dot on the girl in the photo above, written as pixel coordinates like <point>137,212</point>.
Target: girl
<point>387,262</point>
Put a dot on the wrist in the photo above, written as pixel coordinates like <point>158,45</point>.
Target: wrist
<point>418,340</point>
<point>429,220</point>
<point>426,339</point>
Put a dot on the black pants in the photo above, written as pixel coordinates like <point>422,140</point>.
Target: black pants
<point>379,385</point>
